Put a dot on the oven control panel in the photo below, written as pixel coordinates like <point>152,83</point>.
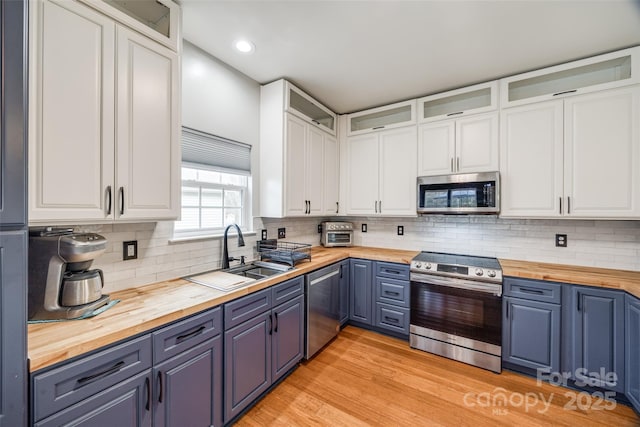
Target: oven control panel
<point>459,271</point>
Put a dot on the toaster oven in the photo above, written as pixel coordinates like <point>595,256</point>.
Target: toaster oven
<point>336,233</point>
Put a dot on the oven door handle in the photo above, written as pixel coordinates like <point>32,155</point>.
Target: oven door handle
<point>428,279</point>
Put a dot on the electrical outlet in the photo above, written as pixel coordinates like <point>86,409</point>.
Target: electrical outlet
<point>364,228</point>
<point>282,233</point>
<point>561,240</point>
<point>264,234</point>
<point>319,228</point>
<point>130,250</point>
<point>401,230</point>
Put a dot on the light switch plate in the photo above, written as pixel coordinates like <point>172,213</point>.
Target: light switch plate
<point>282,233</point>
<point>130,250</point>
<point>364,228</point>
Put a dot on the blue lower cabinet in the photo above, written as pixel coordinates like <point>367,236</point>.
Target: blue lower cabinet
<point>287,337</point>
<point>188,388</point>
<point>594,336</point>
<point>344,292</point>
<point>361,291</point>
<point>392,318</point>
<point>127,404</point>
<point>632,350</point>
<point>531,334</point>
<point>247,350</point>
<point>262,349</point>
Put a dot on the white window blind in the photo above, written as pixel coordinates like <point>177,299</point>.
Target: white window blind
<point>210,151</point>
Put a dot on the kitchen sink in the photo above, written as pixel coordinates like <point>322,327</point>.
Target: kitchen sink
<point>258,270</point>
<point>232,279</point>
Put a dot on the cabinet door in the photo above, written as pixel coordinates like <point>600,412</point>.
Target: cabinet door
<point>331,173</point>
<point>632,351</point>
<point>344,292</point>
<point>71,142</point>
<point>295,169</point>
<point>315,169</point>
<point>531,334</point>
<point>602,154</point>
<point>531,168</point>
<point>127,404</point>
<point>362,174</point>
<point>436,148</point>
<point>477,144</point>
<point>13,132</point>
<point>598,340</point>
<point>148,145</point>
<point>398,173</point>
<point>288,336</point>
<point>188,387</point>
<point>247,361</point>
<point>13,330</point>
<point>360,292</point>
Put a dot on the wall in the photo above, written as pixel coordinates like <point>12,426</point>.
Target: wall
<point>222,101</point>
<point>612,244</point>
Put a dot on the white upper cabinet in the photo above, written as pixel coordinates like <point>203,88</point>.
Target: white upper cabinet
<point>386,117</point>
<point>457,103</point>
<point>381,173</point>
<point>462,145</point>
<point>157,19</point>
<point>148,132</point>
<point>298,157</point>
<point>302,105</point>
<point>601,72</point>
<point>90,99</point>
<point>578,157</point>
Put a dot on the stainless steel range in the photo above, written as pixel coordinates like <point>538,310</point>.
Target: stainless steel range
<point>456,308</point>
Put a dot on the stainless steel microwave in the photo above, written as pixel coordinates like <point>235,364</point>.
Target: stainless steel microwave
<point>469,193</point>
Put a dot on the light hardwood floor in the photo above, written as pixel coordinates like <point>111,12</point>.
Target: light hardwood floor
<point>364,378</point>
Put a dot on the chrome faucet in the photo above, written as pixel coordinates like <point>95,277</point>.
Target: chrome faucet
<point>225,251</point>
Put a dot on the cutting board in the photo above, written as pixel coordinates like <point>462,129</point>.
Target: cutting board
<point>220,280</point>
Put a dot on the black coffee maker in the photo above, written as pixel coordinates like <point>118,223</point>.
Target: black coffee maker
<point>61,284</point>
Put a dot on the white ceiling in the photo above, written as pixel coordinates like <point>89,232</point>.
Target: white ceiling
<point>353,55</point>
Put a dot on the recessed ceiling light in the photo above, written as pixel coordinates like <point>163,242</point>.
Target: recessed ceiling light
<point>245,46</point>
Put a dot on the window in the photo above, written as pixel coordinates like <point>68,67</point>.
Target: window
<point>216,184</point>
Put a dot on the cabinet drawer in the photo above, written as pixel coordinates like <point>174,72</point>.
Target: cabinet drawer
<point>535,290</point>
<point>60,388</point>
<point>392,318</point>
<point>392,270</point>
<point>246,308</point>
<point>287,290</point>
<point>177,338</point>
<point>392,291</point>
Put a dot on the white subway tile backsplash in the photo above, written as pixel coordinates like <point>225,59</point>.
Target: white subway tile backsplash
<point>611,244</point>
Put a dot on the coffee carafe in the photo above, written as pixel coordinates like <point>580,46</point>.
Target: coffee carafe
<point>61,283</point>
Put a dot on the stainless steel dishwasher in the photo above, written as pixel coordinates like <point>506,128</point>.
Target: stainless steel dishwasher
<point>322,303</point>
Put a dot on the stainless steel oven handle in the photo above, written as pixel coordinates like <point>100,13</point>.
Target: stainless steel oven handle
<point>428,279</point>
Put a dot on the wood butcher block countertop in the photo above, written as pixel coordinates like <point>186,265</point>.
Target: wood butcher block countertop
<point>623,280</point>
<point>145,308</point>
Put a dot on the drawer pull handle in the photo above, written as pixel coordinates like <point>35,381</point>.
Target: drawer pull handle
<point>392,293</point>
<point>191,334</point>
<point>392,271</point>
<point>275,328</point>
<point>532,291</point>
<point>112,370</point>
<point>160,386</point>
<point>391,319</point>
<point>455,114</point>
<point>147,387</point>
